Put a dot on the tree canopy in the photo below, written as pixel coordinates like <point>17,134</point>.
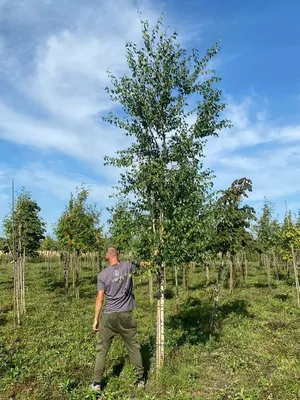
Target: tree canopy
<point>78,228</point>
<point>23,227</point>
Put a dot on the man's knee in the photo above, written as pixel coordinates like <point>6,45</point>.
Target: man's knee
<point>132,345</point>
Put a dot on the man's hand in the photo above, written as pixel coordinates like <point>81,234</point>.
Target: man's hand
<point>96,326</point>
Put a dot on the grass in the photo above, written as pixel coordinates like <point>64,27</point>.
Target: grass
<point>51,356</point>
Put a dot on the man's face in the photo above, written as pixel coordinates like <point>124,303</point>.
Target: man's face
<point>107,256</point>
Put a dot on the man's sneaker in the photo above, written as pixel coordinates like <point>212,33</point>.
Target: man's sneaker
<point>141,383</point>
<point>96,387</point>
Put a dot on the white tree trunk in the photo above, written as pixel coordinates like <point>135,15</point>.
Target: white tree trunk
<point>160,332</point>
<point>207,272</point>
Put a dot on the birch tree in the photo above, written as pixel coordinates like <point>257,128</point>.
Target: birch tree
<point>170,106</point>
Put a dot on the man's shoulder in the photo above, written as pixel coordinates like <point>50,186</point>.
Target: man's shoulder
<point>127,264</point>
<point>104,272</point>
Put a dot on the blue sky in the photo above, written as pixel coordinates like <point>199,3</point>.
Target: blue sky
<point>53,61</point>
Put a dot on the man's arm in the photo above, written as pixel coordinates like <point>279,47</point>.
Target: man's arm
<point>98,306</point>
<point>139,266</point>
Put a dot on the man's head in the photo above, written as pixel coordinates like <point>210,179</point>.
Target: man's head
<point>112,255</point>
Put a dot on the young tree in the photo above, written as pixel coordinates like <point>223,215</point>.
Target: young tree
<point>24,230</point>
<point>267,232</point>
<point>25,226</point>
<point>165,90</point>
<point>290,244</point>
<point>129,232</point>
<point>78,231</point>
<point>232,222</point>
<point>188,222</point>
<point>49,244</point>
<point>4,248</point>
<point>122,227</point>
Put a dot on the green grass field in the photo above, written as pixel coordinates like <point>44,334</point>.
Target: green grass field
<point>51,356</point>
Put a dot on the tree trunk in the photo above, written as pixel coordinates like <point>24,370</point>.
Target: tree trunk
<point>151,289</point>
<point>268,269</point>
<point>176,288</point>
<point>16,291</point>
<point>193,267</point>
<point>94,264</point>
<point>207,272</point>
<point>232,273</point>
<point>185,274</point>
<point>160,335</point>
<point>276,272</point>
<point>60,266</point>
<point>73,271</point>
<point>237,274</point>
<point>23,260</point>
<point>217,291</point>
<point>287,270</point>
<point>77,272</point>
<point>99,262</point>
<point>160,332</point>
<point>296,275</point>
<point>66,270</point>
<point>244,268</point>
<point>19,280</point>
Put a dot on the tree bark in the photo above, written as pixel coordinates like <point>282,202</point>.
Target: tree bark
<point>66,270</point>
<point>183,278</point>
<point>176,288</point>
<point>217,292</point>
<point>287,270</point>
<point>232,273</point>
<point>160,336</point>
<point>268,269</point>
<point>296,275</point>
<point>244,268</point>
<point>160,333</point>
<point>165,277</point>
<point>23,261</point>
<point>276,272</point>
<point>151,289</point>
<point>207,272</point>
<point>77,272</point>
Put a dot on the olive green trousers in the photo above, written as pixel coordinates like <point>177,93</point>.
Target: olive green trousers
<point>121,323</point>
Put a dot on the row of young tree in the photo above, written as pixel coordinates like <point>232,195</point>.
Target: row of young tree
<point>78,231</point>
<point>218,234</point>
<point>168,217</point>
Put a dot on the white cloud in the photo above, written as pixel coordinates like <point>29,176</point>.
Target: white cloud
<point>51,189</point>
<point>65,78</point>
<point>260,150</point>
<point>46,180</point>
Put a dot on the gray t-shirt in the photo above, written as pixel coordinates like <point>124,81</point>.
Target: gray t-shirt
<point>116,280</point>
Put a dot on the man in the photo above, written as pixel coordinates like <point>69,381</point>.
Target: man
<point>115,282</point>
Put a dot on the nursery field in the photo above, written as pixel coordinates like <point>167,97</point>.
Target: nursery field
<point>255,354</point>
